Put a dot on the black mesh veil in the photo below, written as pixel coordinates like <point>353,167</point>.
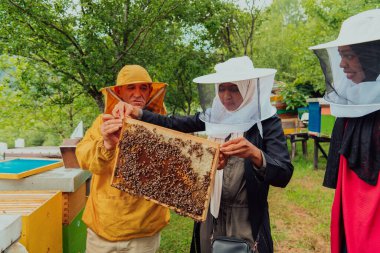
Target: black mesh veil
<point>369,56</point>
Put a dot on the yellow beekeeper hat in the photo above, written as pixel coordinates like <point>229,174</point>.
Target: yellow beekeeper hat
<point>135,74</point>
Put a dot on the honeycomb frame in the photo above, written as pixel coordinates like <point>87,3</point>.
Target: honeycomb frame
<point>167,167</point>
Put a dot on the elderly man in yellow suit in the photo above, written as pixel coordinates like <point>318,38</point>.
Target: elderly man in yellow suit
<point>118,221</point>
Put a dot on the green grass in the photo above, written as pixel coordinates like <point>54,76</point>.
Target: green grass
<point>300,213</point>
<point>176,237</point>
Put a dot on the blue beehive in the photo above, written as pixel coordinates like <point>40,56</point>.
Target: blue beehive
<point>314,118</point>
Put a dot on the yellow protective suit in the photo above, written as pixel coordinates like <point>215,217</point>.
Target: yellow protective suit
<point>109,212</point>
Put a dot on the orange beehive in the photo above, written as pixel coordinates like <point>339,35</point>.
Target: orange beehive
<point>73,203</point>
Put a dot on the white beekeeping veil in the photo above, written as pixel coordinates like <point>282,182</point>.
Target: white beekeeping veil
<point>351,65</point>
<point>224,118</point>
<point>254,84</point>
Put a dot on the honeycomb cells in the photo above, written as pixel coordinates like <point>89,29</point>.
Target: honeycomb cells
<point>162,168</point>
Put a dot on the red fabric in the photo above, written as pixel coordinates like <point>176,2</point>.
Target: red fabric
<point>355,213</point>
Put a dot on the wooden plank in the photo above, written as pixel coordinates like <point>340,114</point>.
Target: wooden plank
<point>60,179</point>
<point>36,152</point>
<point>42,224</point>
<point>325,110</point>
<point>72,204</point>
<point>292,126</point>
<point>69,157</point>
<point>168,167</point>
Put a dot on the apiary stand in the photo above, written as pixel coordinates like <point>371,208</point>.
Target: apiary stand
<point>41,213</point>
<point>73,185</point>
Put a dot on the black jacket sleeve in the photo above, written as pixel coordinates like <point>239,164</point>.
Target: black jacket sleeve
<point>279,168</point>
<point>186,124</point>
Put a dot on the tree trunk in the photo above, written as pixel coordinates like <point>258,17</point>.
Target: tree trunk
<point>98,97</point>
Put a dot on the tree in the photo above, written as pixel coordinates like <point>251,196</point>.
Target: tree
<point>38,116</point>
<point>187,63</point>
<point>60,53</point>
<point>87,42</point>
<point>289,27</point>
<point>231,29</point>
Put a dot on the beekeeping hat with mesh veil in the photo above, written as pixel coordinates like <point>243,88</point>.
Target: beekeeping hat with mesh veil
<point>254,85</point>
<point>351,65</point>
<point>135,74</point>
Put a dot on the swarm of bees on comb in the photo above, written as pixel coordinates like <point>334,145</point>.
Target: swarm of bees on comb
<point>167,167</point>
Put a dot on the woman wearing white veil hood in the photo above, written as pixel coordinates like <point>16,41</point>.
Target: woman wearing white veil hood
<point>237,113</point>
<point>351,65</point>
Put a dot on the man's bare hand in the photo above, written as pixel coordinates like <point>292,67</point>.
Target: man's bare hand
<point>110,130</point>
<point>123,110</point>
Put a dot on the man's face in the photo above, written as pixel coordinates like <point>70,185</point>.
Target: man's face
<point>230,96</point>
<point>350,64</point>
<point>135,94</point>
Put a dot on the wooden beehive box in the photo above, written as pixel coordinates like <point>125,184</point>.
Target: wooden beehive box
<point>41,213</point>
<point>72,204</point>
<point>69,157</point>
<point>167,167</point>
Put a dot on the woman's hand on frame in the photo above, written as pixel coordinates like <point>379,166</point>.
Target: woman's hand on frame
<point>242,148</point>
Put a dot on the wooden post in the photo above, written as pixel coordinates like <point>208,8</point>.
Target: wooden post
<point>304,147</point>
<point>315,160</point>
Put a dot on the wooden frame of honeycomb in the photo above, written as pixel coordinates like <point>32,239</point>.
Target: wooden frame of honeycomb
<point>168,167</point>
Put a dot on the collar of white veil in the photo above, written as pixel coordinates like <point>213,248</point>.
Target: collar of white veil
<point>255,107</point>
<point>255,85</point>
<point>361,99</point>
<point>349,99</point>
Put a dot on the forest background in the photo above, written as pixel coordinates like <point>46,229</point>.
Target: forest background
<point>55,55</point>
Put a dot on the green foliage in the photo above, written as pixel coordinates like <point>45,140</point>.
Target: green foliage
<point>293,95</point>
<point>282,42</point>
<point>41,117</point>
<point>58,54</point>
<point>231,29</point>
<point>288,28</point>
<point>36,139</point>
<point>86,43</point>
<point>186,64</point>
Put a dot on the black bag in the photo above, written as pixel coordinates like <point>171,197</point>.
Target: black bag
<point>224,244</point>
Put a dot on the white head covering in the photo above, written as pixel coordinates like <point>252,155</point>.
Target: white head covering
<point>348,99</point>
<point>220,114</point>
<point>255,87</point>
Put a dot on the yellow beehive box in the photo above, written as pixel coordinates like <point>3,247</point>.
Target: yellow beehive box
<point>41,213</point>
